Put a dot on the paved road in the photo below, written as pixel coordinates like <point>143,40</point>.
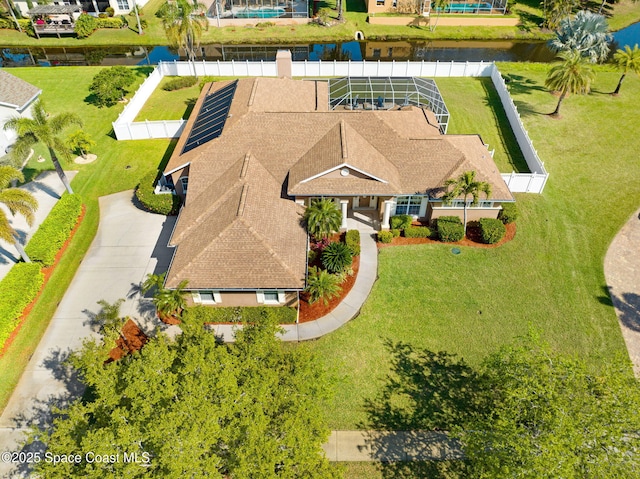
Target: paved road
<point>47,189</point>
<point>622,272</point>
<point>129,244</point>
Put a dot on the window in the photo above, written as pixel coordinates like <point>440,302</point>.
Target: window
<point>123,4</point>
<point>376,53</point>
<point>460,204</point>
<point>270,297</point>
<point>380,3</point>
<point>408,205</point>
<point>184,181</point>
<point>207,297</point>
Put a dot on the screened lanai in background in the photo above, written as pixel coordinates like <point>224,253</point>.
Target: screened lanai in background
<point>495,7</point>
<point>376,93</point>
<point>225,9</point>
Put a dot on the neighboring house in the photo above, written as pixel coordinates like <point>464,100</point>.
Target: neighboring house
<point>16,98</point>
<point>89,6</point>
<point>255,152</point>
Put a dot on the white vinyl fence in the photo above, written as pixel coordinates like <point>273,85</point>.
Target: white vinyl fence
<point>126,129</point>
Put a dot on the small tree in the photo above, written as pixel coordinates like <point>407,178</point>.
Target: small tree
<point>80,142</point>
<point>571,75</point>
<point>464,186</point>
<point>439,5</point>
<point>171,302</point>
<point>322,217</point>
<point>153,281</point>
<point>626,60</point>
<point>85,25</point>
<point>182,26</point>
<point>322,285</point>
<point>109,85</point>
<point>110,321</point>
<point>337,257</point>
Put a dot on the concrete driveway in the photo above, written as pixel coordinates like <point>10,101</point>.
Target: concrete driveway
<point>129,244</point>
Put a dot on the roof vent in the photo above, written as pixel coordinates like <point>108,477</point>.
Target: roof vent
<point>344,172</point>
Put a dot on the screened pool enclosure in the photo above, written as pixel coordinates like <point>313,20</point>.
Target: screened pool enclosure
<point>227,9</point>
<point>479,8</point>
<point>374,93</point>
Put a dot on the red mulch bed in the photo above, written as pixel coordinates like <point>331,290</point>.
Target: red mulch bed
<point>48,271</point>
<point>472,239</point>
<point>311,312</point>
<point>135,340</point>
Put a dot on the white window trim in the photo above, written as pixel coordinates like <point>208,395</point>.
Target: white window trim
<point>260,297</point>
<point>217,297</point>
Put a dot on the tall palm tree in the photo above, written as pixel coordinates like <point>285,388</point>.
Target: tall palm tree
<point>43,129</point>
<point>439,5</point>
<point>464,186</point>
<point>587,33</point>
<point>626,60</point>
<point>322,217</point>
<point>571,75</point>
<point>183,29</point>
<point>18,201</point>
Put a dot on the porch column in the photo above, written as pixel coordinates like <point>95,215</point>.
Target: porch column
<point>343,207</point>
<point>387,214</point>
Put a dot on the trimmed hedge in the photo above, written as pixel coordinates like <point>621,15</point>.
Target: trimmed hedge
<point>491,230</point>
<point>19,287</point>
<point>54,230</point>
<point>247,314</point>
<point>179,83</point>
<point>509,213</point>
<point>385,236</point>
<point>352,238</point>
<point>109,22</point>
<point>450,229</point>
<point>400,222</point>
<point>85,25</point>
<point>166,204</point>
<point>417,232</point>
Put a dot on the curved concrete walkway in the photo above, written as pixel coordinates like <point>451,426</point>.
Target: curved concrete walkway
<point>622,272</point>
<point>350,306</point>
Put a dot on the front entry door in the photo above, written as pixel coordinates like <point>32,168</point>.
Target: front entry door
<point>365,202</point>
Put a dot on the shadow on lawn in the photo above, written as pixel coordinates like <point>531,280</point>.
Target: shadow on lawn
<point>425,391</point>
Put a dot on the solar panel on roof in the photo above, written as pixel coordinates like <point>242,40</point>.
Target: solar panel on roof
<point>211,117</point>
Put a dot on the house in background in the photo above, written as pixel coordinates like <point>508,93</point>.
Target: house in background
<point>16,98</point>
<point>256,151</point>
<point>93,7</point>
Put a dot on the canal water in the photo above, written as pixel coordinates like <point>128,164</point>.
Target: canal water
<point>464,50</point>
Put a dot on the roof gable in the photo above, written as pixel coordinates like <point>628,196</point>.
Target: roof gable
<point>15,92</point>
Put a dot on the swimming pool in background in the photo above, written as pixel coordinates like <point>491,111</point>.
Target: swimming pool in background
<point>467,7</point>
<point>264,12</point>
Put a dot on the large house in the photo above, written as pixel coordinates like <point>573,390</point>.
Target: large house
<point>16,98</point>
<point>256,151</point>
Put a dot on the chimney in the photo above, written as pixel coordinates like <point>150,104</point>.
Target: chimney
<point>283,63</point>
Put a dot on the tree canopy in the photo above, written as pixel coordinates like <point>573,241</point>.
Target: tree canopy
<point>464,186</point>
<point>195,407</point>
<point>572,74</point>
<point>182,26</point>
<point>626,60</point>
<point>109,85</point>
<point>322,218</point>
<point>586,33</point>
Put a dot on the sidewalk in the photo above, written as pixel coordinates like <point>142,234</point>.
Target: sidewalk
<point>47,189</point>
<point>390,446</point>
<point>348,309</point>
<point>622,273</point>
<point>129,244</point>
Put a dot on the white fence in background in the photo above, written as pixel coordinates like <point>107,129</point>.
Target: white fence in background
<point>126,129</point>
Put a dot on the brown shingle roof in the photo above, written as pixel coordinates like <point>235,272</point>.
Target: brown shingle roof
<point>15,92</point>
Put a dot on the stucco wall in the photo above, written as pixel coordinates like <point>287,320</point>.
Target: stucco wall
<point>473,214</point>
<point>248,298</point>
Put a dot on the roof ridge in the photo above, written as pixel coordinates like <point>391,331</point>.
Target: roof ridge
<point>343,139</point>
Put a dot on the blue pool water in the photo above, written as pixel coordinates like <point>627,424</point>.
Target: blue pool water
<point>467,7</point>
<point>264,12</point>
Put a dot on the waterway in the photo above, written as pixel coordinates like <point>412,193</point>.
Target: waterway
<point>464,50</point>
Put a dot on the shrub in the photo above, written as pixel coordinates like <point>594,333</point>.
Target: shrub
<point>417,232</point>
<point>385,236</point>
<point>179,82</point>
<point>143,23</point>
<point>352,238</point>
<point>6,24</point>
<point>109,22</point>
<point>54,230</point>
<point>110,11</point>
<point>109,85</point>
<point>265,24</point>
<point>322,285</point>
<point>396,233</point>
<point>85,25</point>
<point>400,222</point>
<point>450,229</point>
<point>247,314</point>
<point>509,213</point>
<point>19,287</point>
<point>337,257</point>
<point>492,230</point>
<point>165,204</point>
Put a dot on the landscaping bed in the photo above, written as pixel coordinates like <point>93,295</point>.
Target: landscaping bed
<point>473,239</point>
<point>135,339</point>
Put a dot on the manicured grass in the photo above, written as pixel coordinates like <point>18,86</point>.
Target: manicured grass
<point>169,105</point>
<point>119,167</point>
<point>625,13</point>
<point>549,277</point>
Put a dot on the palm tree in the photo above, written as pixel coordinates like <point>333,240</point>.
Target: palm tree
<point>110,321</point>
<point>171,302</point>
<point>183,29</point>
<point>556,10</point>
<point>322,217</point>
<point>466,185</point>
<point>322,285</point>
<point>340,7</point>
<point>626,60</point>
<point>439,5</point>
<point>43,129</point>
<point>571,75</point>
<point>153,281</point>
<point>587,33</point>
<point>18,201</point>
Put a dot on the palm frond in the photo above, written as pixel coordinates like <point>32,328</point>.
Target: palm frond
<point>20,202</point>
<point>7,233</point>
<point>9,174</point>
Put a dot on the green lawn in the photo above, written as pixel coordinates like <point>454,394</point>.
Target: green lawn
<point>549,277</point>
<point>119,167</point>
<point>169,105</point>
<point>625,12</point>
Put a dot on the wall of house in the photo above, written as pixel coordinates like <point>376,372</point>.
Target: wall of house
<point>175,177</point>
<point>6,137</point>
<point>434,211</point>
<point>247,298</point>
